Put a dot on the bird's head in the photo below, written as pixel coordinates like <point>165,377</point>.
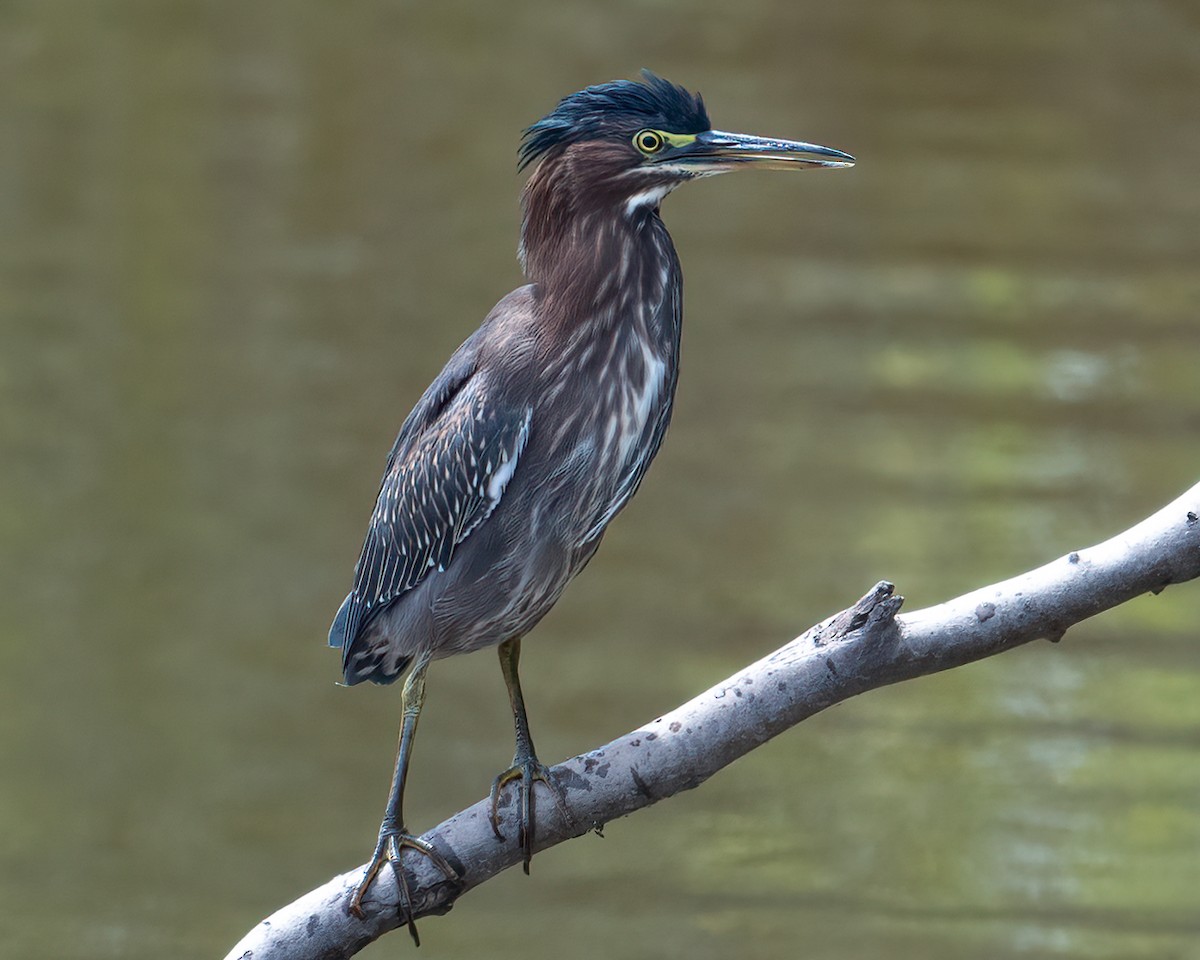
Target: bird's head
<point>633,143</point>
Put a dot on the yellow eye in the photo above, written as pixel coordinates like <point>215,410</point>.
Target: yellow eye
<point>648,141</point>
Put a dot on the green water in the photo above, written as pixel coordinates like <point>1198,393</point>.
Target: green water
<point>237,240</point>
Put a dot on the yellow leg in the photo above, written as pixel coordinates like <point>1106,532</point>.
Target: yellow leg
<point>393,836</point>
<point>525,766</point>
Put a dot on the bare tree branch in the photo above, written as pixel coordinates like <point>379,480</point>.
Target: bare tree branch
<point>861,648</point>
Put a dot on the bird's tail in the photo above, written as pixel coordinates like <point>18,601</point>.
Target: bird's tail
<point>364,656</point>
<point>341,623</point>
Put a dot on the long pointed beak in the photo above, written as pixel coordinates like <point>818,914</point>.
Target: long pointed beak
<point>717,150</point>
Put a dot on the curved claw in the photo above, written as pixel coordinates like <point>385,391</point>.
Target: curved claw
<point>527,770</point>
<point>388,849</point>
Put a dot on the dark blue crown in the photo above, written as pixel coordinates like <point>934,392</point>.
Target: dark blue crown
<point>619,108</point>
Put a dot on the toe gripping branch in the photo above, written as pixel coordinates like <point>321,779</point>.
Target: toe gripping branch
<point>389,849</point>
<point>528,770</point>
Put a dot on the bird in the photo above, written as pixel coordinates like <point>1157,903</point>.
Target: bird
<point>540,428</point>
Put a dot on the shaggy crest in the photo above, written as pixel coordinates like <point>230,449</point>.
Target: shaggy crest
<point>619,108</point>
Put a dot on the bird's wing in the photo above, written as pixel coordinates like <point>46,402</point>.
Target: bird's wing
<point>460,368</point>
<point>446,473</point>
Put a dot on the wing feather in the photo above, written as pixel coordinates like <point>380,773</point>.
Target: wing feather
<point>444,478</point>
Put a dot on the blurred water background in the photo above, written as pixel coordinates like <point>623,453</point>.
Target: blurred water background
<point>237,240</point>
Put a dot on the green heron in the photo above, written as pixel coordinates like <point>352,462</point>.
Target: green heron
<point>542,425</point>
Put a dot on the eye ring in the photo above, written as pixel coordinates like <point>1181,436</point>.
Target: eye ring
<point>649,141</point>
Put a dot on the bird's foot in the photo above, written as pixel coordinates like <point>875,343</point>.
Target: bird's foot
<point>527,769</point>
<point>388,850</point>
